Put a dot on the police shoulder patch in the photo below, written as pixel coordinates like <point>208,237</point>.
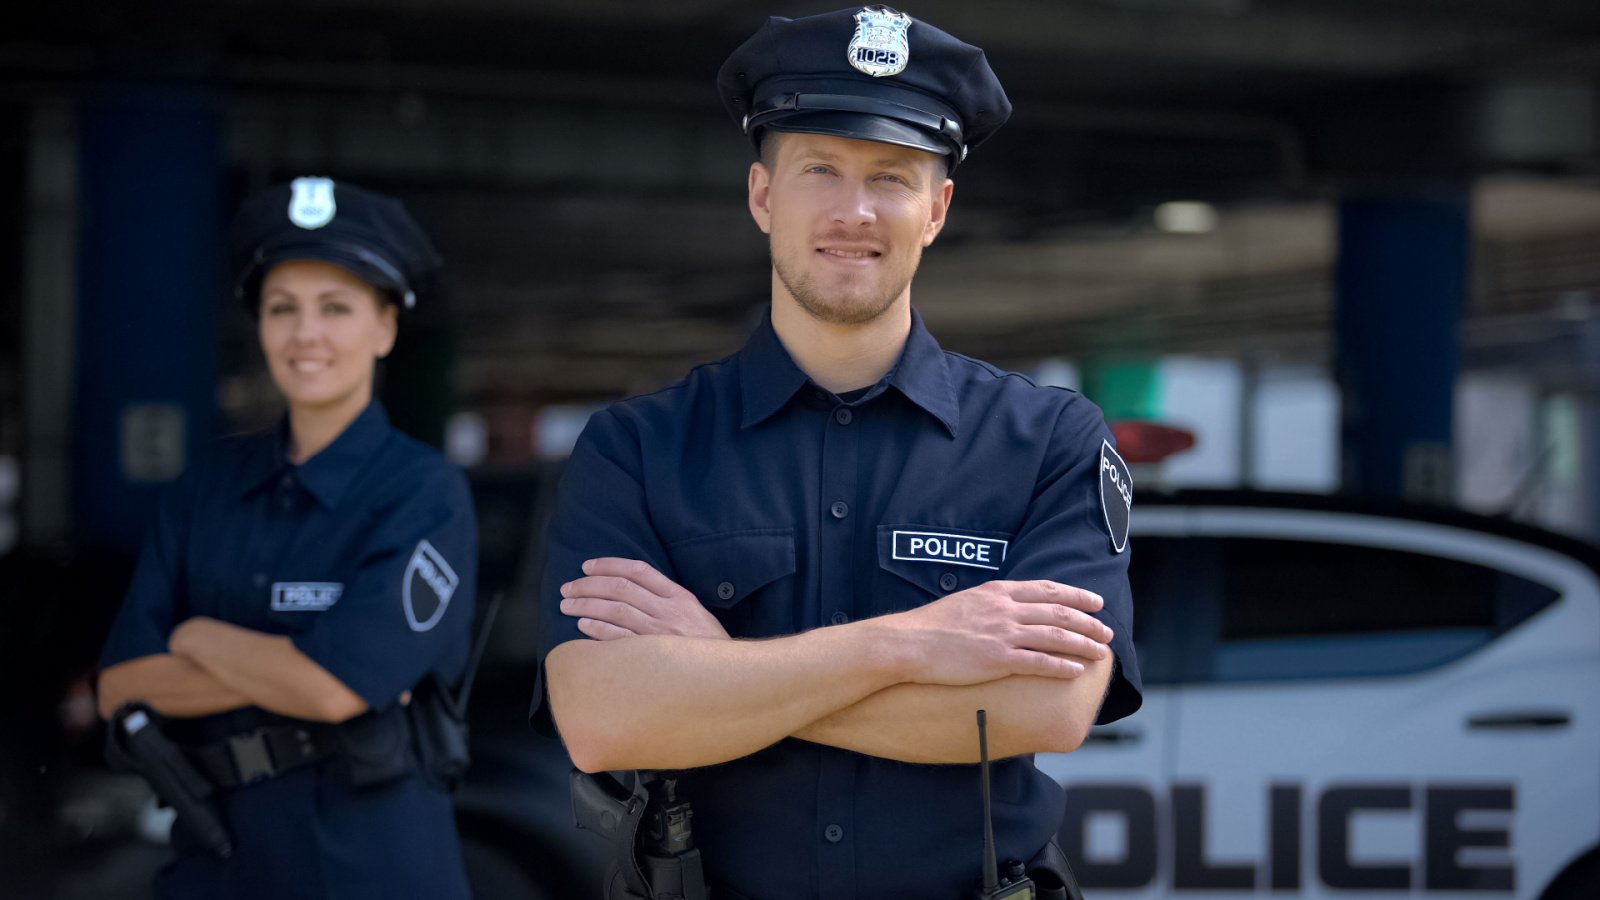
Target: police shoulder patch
<point>1116,495</point>
<point>311,203</point>
<point>426,587</point>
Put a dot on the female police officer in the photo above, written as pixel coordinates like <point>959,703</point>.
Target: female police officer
<point>299,585</point>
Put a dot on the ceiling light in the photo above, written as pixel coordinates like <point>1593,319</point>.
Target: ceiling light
<point>1186,217</point>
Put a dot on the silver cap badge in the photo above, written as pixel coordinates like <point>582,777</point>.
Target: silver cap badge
<point>311,204</point>
<point>880,46</point>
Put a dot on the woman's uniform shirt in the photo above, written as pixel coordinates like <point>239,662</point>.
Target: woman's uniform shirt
<point>365,556</point>
<point>783,508</point>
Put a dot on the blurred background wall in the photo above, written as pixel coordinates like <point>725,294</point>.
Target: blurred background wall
<point>1351,245</point>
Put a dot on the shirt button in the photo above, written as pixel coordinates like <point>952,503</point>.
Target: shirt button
<point>840,509</point>
<point>260,579</point>
<point>947,581</point>
<point>838,618</point>
<point>286,482</point>
<point>725,590</point>
<point>833,833</point>
<point>842,415</point>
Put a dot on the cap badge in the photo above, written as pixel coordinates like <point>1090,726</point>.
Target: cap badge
<point>880,46</point>
<point>311,205</point>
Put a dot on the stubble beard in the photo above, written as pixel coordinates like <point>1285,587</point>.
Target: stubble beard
<point>829,308</point>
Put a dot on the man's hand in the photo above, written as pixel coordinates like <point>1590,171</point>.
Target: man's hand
<point>619,598</point>
<point>884,686</point>
<point>996,629</point>
<point>1002,628</point>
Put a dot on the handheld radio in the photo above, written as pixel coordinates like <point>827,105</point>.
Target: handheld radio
<point>1015,884</point>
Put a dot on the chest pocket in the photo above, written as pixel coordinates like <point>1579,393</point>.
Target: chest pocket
<point>745,578</point>
<point>918,564</point>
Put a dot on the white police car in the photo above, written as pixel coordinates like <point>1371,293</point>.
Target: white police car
<point>1347,702</point>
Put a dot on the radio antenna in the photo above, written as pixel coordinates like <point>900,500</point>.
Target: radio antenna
<point>991,877</point>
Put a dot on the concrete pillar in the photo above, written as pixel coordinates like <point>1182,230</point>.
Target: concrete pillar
<point>49,314</point>
<point>149,286</point>
<point>1402,282</point>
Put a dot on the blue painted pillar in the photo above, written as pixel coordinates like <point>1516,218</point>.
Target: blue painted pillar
<point>1402,284</point>
<point>149,285</point>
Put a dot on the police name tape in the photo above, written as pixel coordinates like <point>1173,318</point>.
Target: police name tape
<point>954,549</point>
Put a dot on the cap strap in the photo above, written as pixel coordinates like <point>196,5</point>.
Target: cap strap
<point>785,105</point>
<point>396,281</point>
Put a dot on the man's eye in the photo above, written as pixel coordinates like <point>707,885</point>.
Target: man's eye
<point>279,309</point>
<point>335,309</point>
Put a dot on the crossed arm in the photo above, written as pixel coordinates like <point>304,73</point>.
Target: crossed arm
<point>212,666</point>
<point>661,685</point>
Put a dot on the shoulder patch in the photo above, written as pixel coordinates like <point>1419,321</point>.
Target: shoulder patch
<point>426,587</point>
<point>1116,495</point>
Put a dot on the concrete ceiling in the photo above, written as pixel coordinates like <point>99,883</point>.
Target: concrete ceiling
<point>587,191</point>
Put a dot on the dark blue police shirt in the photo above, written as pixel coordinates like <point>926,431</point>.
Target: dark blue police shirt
<point>349,554</point>
<point>784,508</point>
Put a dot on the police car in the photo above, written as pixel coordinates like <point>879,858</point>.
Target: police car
<point>1347,701</point>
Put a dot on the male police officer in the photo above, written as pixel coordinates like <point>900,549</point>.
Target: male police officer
<point>915,534</point>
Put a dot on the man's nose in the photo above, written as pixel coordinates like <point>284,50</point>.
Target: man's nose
<point>853,205</point>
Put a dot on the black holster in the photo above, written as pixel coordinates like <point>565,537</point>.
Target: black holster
<point>136,743</point>
<point>653,853</point>
<point>374,748</point>
<point>439,728</point>
<point>1052,874</point>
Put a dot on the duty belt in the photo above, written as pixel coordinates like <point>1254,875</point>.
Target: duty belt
<point>267,752</point>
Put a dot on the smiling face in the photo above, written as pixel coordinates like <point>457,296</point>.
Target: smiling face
<point>848,220</point>
<point>322,331</point>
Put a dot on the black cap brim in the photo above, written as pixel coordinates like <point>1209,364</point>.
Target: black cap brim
<point>862,127</point>
<point>358,261</point>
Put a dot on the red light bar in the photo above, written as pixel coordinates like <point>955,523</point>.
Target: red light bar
<point>1149,442</point>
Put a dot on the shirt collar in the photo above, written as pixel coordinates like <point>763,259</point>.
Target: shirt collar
<point>769,377</point>
<point>326,475</point>
<point>922,374</point>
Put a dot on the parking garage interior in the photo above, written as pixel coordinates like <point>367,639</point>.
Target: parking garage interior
<point>1351,246</point>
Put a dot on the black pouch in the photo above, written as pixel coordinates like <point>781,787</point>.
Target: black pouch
<point>1052,875</point>
<point>375,748</point>
<point>440,726</point>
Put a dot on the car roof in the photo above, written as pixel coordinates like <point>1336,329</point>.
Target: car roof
<point>1585,552</point>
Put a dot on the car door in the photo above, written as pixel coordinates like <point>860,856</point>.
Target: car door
<point>1389,708</point>
<point>1117,781</point>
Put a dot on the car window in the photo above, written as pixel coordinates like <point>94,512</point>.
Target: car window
<point>1300,609</point>
<point>1246,609</point>
<point>1172,579</point>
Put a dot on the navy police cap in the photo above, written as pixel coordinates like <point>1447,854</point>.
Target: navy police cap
<point>363,231</point>
<point>871,73</point>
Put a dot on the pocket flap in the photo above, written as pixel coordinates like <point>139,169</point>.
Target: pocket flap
<point>942,560</point>
<point>723,569</point>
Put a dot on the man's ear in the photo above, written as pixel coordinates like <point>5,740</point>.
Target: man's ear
<point>760,189</point>
<point>939,212</point>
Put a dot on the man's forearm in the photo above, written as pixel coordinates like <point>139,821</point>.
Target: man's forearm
<point>266,668</point>
<point>668,702</point>
<point>173,686</point>
<point>926,723</point>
